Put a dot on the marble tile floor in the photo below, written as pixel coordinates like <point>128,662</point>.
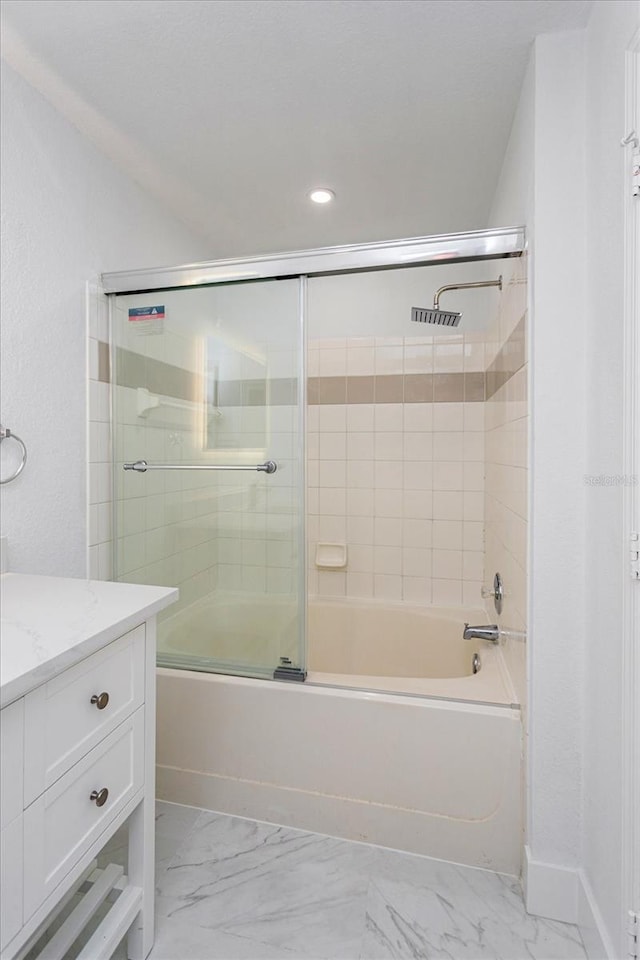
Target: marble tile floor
<point>232,888</point>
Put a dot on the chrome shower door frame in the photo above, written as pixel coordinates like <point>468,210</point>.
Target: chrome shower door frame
<point>440,249</point>
<point>410,252</point>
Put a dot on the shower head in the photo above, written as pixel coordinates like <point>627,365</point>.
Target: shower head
<point>448,318</point>
<point>445,318</point>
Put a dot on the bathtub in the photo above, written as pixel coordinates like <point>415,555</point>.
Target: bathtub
<point>401,648</point>
<point>418,760</point>
<point>391,647</point>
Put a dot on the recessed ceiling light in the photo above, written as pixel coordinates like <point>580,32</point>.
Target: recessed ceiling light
<point>321,195</point>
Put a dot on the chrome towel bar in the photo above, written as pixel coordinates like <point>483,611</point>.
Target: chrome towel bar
<point>141,466</point>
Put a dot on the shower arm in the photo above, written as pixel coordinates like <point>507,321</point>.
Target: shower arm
<point>465,286</point>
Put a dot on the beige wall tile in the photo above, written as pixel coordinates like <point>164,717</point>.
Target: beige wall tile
<point>332,390</point>
<point>360,530</point>
<point>360,417</point>
<point>360,473</point>
<point>418,357</point>
<point>387,531</point>
<point>389,359</point>
<point>386,587</point>
<point>388,474</point>
<point>418,417</point>
<point>389,389</point>
<point>448,387</point>
<point>447,564</point>
<point>448,417</point>
<point>416,589</point>
<point>416,562</point>
<point>389,416</point>
<point>360,389</point>
<point>446,593</point>
<point>360,585</point>
<point>333,363</point>
<point>360,361</point>
<point>418,388</point>
<point>448,475</point>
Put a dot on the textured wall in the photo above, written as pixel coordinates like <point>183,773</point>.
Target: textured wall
<point>559,427</point>
<point>609,33</point>
<point>538,187</point>
<point>67,216</point>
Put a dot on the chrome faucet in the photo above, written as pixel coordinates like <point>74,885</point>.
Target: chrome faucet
<point>491,632</point>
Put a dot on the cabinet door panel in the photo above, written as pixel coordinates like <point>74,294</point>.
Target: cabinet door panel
<point>61,722</point>
<point>62,823</point>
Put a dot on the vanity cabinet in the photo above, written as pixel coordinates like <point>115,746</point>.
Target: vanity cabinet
<point>77,760</point>
<point>11,829</point>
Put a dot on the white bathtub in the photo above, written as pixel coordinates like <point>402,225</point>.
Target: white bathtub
<point>367,645</point>
<point>436,772</point>
<point>402,648</point>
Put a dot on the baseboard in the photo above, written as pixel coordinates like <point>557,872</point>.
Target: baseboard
<point>564,893</point>
<point>550,890</point>
<point>594,933</point>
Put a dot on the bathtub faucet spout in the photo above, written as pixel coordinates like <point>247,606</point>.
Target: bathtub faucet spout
<point>490,632</point>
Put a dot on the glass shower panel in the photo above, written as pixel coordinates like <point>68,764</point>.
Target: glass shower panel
<point>206,389</point>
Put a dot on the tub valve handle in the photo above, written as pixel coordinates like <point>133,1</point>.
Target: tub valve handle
<point>489,632</point>
<point>497,594</point>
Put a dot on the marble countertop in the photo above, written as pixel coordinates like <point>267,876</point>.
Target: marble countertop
<point>49,623</point>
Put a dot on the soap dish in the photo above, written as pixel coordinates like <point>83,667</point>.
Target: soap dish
<point>331,556</point>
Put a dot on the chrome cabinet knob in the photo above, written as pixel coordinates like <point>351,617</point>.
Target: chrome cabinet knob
<point>99,796</point>
<point>100,699</point>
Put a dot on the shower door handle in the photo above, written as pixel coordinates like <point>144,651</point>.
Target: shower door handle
<point>141,466</point>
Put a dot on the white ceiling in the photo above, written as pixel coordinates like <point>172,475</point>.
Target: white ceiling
<point>230,110</point>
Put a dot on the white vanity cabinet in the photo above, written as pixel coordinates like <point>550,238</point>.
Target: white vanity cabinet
<point>11,829</point>
<point>77,757</point>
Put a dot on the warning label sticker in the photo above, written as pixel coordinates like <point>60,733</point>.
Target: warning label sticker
<point>147,319</point>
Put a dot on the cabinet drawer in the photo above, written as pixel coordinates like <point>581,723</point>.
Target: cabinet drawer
<point>11,761</point>
<point>61,722</point>
<point>62,823</point>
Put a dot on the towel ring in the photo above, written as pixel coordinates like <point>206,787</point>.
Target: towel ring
<point>6,434</point>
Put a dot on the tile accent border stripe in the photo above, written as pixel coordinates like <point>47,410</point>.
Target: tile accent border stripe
<point>511,358</point>
<point>398,388</point>
<point>168,380</point>
<point>135,370</point>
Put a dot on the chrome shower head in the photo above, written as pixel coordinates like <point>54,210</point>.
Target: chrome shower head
<point>448,318</point>
<point>445,318</point>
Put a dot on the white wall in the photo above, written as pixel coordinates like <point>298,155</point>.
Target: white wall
<point>610,30</point>
<point>563,176</point>
<point>558,428</point>
<point>67,215</point>
<point>513,201</point>
<point>542,184</point>
<point>379,304</point>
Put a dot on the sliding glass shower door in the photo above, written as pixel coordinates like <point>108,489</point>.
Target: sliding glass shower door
<point>209,465</point>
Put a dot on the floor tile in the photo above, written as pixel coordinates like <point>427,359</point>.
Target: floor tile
<point>229,888</point>
<point>286,888</point>
<point>462,914</point>
<point>181,941</point>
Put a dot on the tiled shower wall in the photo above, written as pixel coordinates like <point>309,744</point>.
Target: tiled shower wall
<point>506,500</point>
<point>396,466</point>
